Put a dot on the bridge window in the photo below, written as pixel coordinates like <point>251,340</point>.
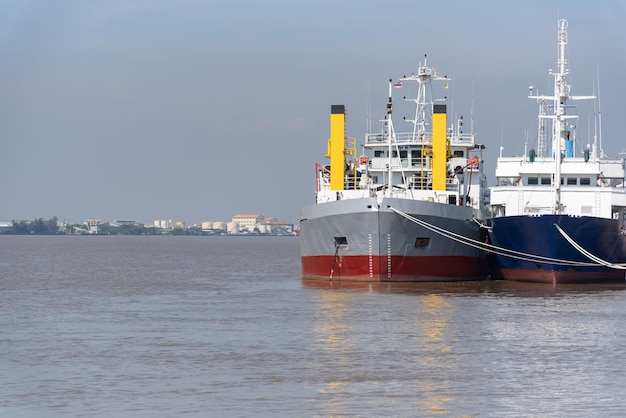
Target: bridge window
<point>416,158</point>
<point>545,180</point>
<point>585,181</point>
<point>533,181</point>
<point>571,181</point>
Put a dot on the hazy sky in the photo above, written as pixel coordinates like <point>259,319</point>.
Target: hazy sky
<point>197,110</point>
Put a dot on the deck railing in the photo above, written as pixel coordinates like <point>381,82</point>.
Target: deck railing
<point>410,138</point>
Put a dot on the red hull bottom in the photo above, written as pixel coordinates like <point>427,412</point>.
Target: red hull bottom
<point>555,277</point>
<point>392,268</point>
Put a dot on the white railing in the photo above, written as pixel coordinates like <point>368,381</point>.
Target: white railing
<point>410,138</point>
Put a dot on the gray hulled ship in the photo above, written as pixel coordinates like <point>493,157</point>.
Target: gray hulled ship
<point>409,208</point>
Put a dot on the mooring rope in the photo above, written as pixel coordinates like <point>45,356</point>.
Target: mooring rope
<point>587,253</point>
<point>493,248</point>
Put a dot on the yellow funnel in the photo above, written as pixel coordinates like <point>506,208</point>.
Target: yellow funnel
<point>440,148</point>
<point>336,146</point>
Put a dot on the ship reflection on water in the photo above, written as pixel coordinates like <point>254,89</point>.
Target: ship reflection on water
<point>336,348</point>
<point>433,317</point>
<point>420,346</point>
<point>505,287</point>
<point>358,353</point>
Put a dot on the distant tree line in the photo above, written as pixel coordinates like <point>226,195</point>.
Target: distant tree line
<point>106,229</point>
<point>52,227</point>
<point>38,226</point>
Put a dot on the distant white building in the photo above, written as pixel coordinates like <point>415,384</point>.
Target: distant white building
<point>92,225</point>
<point>248,221</point>
<point>163,223</point>
<point>119,222</point>
<point>274,226</point>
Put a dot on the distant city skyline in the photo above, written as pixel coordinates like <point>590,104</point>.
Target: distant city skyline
<point>170,222</point>
<point>199,109</point>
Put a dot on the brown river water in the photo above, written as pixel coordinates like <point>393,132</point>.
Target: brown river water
<point>111,326</point>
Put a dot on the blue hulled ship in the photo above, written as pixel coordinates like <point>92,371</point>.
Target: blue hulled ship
<point>559,210</point>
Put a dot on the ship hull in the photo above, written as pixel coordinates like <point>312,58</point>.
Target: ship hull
<point>537,235</point>
<point>361,240</point>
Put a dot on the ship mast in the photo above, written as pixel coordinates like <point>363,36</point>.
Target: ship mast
<point>390,140</point>
<point>424,105</point>
<point>561,134</point>
<point>424,100</point>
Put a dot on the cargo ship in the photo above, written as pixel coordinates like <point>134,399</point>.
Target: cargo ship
<point>409,207</point>
<point>559,210</point>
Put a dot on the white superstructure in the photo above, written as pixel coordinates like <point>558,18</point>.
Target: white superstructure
<point>578,182</point>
